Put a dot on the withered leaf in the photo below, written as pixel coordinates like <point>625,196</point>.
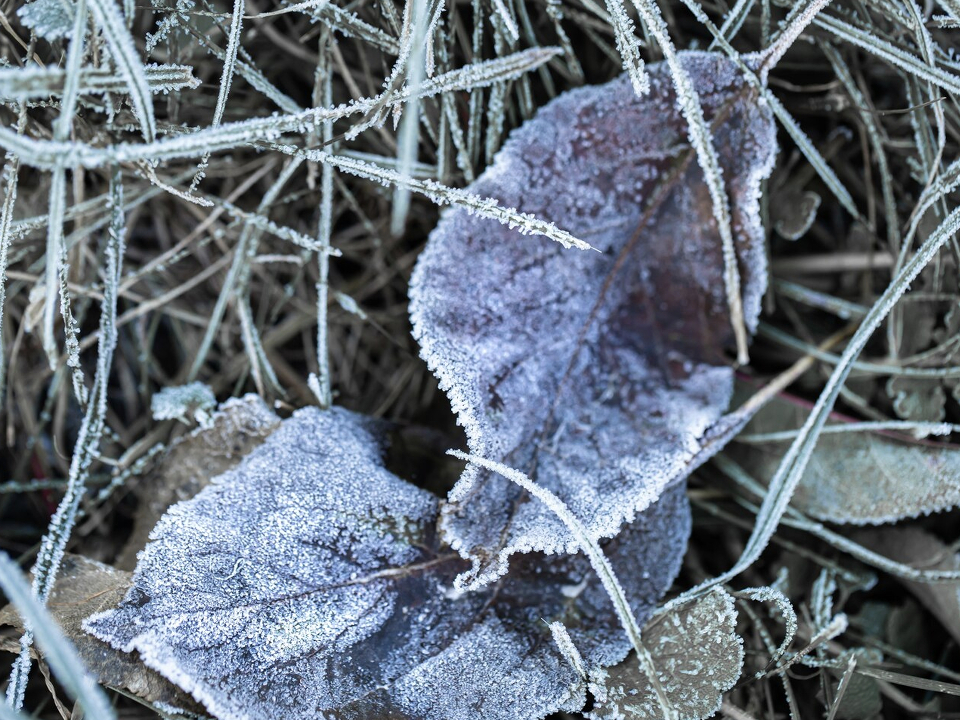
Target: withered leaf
<point>918,399</point>
<point>309,582</point>
<point>861,699</point>
<point>596,373</point>
<point>697,653</point>
<point>84,587</point>
<point>238,426</point>
<point>916,547</point>
<point>859,478</point>
<point>793,212</point>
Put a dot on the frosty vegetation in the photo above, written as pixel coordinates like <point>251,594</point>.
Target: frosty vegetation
<point>202,199</point>
<point>311,579</point>
<point>927,480</point>
<point>195,401</point>
<point>595,369</point>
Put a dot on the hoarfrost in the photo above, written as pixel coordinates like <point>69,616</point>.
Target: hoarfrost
<point>192,461</point>
<point>859,478</point>
<point>194,400</point>
<point>699,656</point>
<point>309,582</point>
<point>49,19</point>
<point>84,586</point>
<point>597,374</point>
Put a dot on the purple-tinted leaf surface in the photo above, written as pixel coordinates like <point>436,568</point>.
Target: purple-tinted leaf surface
<point>309,582</point>
<point>598,374</point>
<point>238,426</point>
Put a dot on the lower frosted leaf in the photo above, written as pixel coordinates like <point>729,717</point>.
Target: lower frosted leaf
<point>309,582</point>
<point>597,374</point>
<point>697,653</point>
<point>859,478</point>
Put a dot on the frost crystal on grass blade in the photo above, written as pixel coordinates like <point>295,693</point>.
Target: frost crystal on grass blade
<point>596,374</point>
<point>903,478</point>
<point>309,582</point>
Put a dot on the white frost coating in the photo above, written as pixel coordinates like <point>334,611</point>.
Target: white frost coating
<point>480,672</point>
<point>49,154</point>
<point>194,400</point>
<point>49,19</point>
<point>40,82</point>
<point>567,647</point>
<point>308,582</point>
<point>596,374</point>
<point>699,656</point>
<point>773,595</point>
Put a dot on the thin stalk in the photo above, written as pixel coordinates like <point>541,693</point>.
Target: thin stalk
<point>323,389</point>
<point>87,446</point>
<point>793,465</point>
<point>58,652</point>
<point>702,141</point>
<point>598,561</point>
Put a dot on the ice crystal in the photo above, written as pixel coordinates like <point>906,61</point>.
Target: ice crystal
<point>49,19</point>
<point>698,654</point>
<point>861,478</point>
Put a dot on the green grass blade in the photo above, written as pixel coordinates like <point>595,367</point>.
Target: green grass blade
<point>794,463</point>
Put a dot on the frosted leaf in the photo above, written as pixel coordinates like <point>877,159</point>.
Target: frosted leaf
<point>862,699</point>
<point>919,399</point>
<point>49,19</point>
<point>83,587</point>
<point>862,478</point>
<point>309,582</point>
<point>698,655</point>
<point>194,400</point>
<point>238,426</point>
<point>597,374</point>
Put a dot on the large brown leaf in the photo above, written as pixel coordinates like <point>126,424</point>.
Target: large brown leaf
<point>597,373</point>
